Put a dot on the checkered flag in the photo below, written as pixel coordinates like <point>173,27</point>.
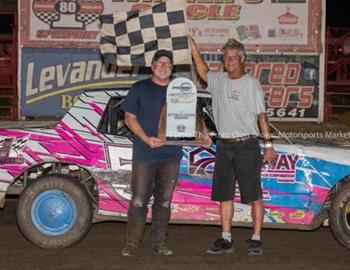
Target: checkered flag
<point>131,38</point>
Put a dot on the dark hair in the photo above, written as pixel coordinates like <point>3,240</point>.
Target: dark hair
<point>162,53</point>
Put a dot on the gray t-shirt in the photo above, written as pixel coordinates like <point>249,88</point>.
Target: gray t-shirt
<point>236,104</point>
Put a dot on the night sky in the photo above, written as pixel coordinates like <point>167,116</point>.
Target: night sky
<point>337,14</point>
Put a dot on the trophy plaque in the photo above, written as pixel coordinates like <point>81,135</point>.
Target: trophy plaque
<point>180,123</point>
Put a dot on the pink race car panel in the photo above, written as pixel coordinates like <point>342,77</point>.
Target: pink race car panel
<point>89,136</point>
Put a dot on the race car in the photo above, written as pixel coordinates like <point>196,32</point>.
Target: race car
<point>78,172</point>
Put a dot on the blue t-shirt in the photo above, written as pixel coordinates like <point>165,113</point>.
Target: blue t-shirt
<point>146,100</point>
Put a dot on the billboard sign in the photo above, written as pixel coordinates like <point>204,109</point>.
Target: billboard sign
<point>290,83</point>
<point>262,25</point>
<point>53,78</point>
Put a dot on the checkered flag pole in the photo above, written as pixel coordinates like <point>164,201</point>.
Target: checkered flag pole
<point>131,38</point>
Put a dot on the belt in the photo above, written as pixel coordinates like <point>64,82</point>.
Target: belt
<point>237,140</point>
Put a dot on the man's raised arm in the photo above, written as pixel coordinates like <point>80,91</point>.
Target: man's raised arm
<point>201,66</point>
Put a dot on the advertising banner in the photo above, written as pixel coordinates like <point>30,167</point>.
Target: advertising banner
<point>53,78</point>
<point>290,83</point>
<point>60,54</point>
<point>262,25</point>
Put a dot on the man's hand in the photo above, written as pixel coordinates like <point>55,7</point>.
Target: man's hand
<point>154,142</point>
<point>191,42</point>
<point>207,141</point>
<point>269,155</point>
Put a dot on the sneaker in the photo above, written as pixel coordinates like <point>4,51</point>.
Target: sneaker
<point>128,250</point>
<point>220,246</point>
<point>162,249</point>
<point>254,248</point>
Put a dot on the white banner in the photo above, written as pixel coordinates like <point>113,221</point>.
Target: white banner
<point>262,25</point>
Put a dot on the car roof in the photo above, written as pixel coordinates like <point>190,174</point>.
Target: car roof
<point>200,93</point>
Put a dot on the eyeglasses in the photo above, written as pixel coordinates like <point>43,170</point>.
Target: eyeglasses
<point>163,64</point>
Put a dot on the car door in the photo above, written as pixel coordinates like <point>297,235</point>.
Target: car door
<point>287,189</point>
<point>114,184</point>
<point>191,199</point>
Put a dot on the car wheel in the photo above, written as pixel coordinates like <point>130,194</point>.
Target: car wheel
<point>340,215</point>
<point>54,212</point>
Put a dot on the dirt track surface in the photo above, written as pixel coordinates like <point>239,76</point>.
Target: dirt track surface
<point>101,249</point>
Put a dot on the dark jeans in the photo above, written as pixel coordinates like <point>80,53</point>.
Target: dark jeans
<point>157,179</point>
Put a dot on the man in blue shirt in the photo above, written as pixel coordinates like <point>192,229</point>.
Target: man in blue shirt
<point>155,166</point>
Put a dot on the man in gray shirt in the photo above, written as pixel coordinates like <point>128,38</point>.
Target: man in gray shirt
<point>238,106</point>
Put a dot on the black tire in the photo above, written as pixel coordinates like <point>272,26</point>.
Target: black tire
<point>340,215</point>
<point>67,188</point>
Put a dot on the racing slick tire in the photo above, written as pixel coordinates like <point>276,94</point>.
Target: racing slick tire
<point>54,212</point>
<point>340,215</point>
